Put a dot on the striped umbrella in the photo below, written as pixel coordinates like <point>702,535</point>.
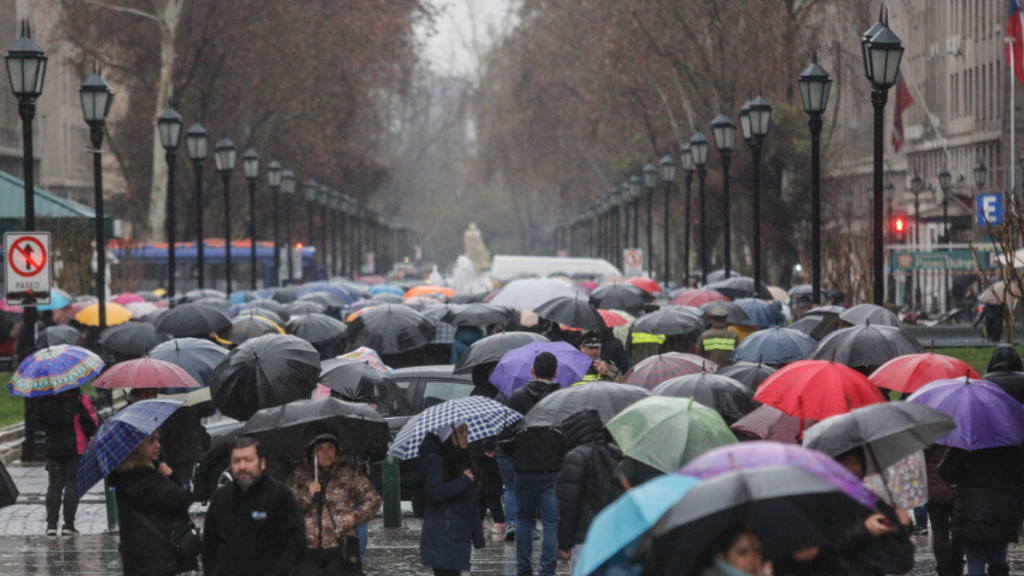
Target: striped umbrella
<point>53,370</point>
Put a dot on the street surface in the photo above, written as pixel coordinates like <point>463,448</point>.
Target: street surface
<point>24,550</point>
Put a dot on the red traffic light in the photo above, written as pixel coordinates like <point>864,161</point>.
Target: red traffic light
<point>899,224</point>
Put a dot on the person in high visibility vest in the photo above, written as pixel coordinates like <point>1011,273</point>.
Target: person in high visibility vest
<point>591,345</point>
<point>718,342</point>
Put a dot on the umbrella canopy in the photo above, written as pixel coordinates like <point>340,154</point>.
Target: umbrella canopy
<point>58,299</point>
<point>492,348</point>
<point>189,320</point>
<point>722,394</point>
<point>815,390</point>
<point>666,433</point>
<point>778,294</point>
<point>368,356</point>
<point>616,319</point>
<point>273,305</point>
<point>387,289</point>
<point>200,293</point>
<point>116,314</point>
<point>513,371</point>
<point>608,398</point>
<point>140,309</point>
<point>911,372</point>
<point>286,294</point>
<point>357,381</point>
<point>529,293</point>
<point>768,423</point>
<point>736,315</point>
<point>145,373</point>
<point>750,374</point>
<point>315,328</point>
<point>886,432</point>
<point>214,302</point>
<point>985,415</point>
<point>284,430</point>
<point>57,335</point>
<point>646,284</point>
<point>53,370</point>
<point>698,297</point>
<point>873,314</point>
<point>478,314</point>
<point>653,370</point>
<point>865,347</point>
<point>197,356</point>
<point>670,322</point>
<point>266,371</point>
<point>338,295</point>
<point>246,328</point>
<point>304,307</point>
<point>761,313</point>
<point>391,329</point>
<point>485,418</point>
<point>571,311</point>
<point>999,293</point>
<point>118,437</point>
<point>428,290</point>
<point>387,299</point>
<point>266,314</point>
<point>131,339</point>
<point>328,299</point>
<point>740,287</point>
<point>621,296</point>
<point>776,346</point>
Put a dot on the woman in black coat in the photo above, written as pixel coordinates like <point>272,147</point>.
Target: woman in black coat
<point>989,487</point>
<point>1006,370</point>
<point>150,507</point>
<point>451,519</point>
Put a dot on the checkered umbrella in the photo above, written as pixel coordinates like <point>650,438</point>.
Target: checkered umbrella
<point>118,436</point>
<point>654,370</point>
<point>484,416</point>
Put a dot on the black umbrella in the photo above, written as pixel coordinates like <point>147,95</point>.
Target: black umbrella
<point>267,371</point>
<point>608,398</point>
<point>286,294</point>
<point>887,432</point>
<point>749,374</point>
<point>670,321</point>
<point>192,320</point>
<point>273,305</point>
<point>197,356</point>
<point>479,314</point>
<point>808,324</point>
<point>492,348</point>
<point>316,327</point>
<point>328,299</point>
<point>461,298</point>
<point>719,275</point>
<point>219,303</point>
<point>264,313</point>
<point>131,339</point>
<point>865,347</point>
<point>863,314</point>
<point>359,382</point>
<point>736,317</point>
<point>284,430</point>
<point>57,335</point>
<point>193,295</point>
<point>741,287</point>
<point>621,296</point>
<point>572,312</point>
<point>722,394</point>
<point>305,307</point>
<point>390,329</point>
<point>385,298</point>
<point>248,327</point>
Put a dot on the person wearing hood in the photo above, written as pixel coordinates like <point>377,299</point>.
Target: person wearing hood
<point>451,518</point>
<point>464,337</point>
<point>1006,370</point>
<point>587,482</point>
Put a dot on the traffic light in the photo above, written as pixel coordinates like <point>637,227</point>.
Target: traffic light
<point>899,229</point>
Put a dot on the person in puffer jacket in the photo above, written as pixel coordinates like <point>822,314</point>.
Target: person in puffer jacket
<point>1006,370</point>
<point>69,421</point>
<point>587,482</point>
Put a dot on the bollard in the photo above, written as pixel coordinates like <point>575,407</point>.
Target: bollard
<point>391,486</point>
<point>111,502</point>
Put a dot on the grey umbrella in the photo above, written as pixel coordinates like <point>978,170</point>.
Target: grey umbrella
<point>608,398</point>
<point>863,314</point>
<point>865,347</point>
<point>722,394</point>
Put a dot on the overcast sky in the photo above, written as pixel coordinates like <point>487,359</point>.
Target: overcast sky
<point>465,29</point>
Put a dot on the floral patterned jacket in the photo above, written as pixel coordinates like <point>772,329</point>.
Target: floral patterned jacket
<point>346,492</point>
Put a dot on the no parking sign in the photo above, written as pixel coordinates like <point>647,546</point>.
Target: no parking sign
<point>27,277</point>
<point>633,260</point>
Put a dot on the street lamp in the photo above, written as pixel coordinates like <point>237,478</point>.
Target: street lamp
<point>815,86</point>
<point>96,98</point>
<point>686,161</point>
<point>288,189</point>
<point>724,131</point>
<point>699,151</point>
<point>980,174</point>
<point>274,180</point>
<point>169,126</point>
<point>634,194</point>
<point>251,167</point>
<point>197,140</point>
<point>667,167</point>
<point>882,51</point>
<point>755,118</point>
<point>224,156</point>
<point>650,181</point>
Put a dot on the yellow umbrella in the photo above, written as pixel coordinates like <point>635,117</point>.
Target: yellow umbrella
<point>116,314</point>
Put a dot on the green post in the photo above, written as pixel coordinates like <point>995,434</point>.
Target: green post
<point>108,498</point>
<point>392,487</point>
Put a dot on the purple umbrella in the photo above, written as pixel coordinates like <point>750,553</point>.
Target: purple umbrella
<point>985,415</point>
<point>513,371</point>
<point>749,455</point>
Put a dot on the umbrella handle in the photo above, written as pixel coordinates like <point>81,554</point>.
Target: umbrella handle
<point>316,467</point>
<point>881,472</point>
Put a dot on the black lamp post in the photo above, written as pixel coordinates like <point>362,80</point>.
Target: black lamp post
<point>251,167</point>
<point>96,99</point>
<point>197,140</point>
<point>169,126</point>
<point>882,51</point>
<point>274,180</point>
<point>755,118</point>
<point>815,85</point>
<point>323,199</point>
<point>724,131</point>
<point>288,190</point>
<point>634,184</point>
<point>890,197</point>
<point>945,180</point>
<point>980,174</point>
<point>224,156</point>
<point>650,181</point>
<point>310,191</point>
<point>667,168</point>
<point>626,243</point>
<point>686,161</point>
<point>916,185</point>
<point>699,151</point>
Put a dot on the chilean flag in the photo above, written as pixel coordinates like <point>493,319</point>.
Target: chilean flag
<point>1015,31</point>
<point>904,99</point>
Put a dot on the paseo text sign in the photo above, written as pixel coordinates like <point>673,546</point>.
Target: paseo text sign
<point>27,274</point>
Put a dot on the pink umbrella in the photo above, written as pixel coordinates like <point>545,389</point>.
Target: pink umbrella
<point>8,308</point>
<point>699,297</point>
<point>127,298</point>
<point>145,373</point>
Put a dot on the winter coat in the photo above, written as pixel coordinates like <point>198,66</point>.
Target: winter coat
<point>635,472</point>
<point>542,447</point>
<point>69,421</point>
<point>183,436</point>
<point>451,518</point>
<point>989,486</point>
<point>939,491</point>
<point>343,487</point>
<point>143,494</point>
<point>464,336</point>
<point>259,531</point>
<point>613,351</point>
<point>1007,371</point>
<point>587,482</point>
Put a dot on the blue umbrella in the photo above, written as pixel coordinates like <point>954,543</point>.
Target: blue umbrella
<point>333,289</point>
<point>53,370</point>
<point>513,371</point>
<point>775,346</point>
<point>761,313</point>
<point>485,418</point>
<point>243,296</point>
<point>118,436</point>
<point>616,531</point>
<point>387,289</point>
<point>58,299</point>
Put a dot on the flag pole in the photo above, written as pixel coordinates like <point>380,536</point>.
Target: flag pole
<point>1013,117</point>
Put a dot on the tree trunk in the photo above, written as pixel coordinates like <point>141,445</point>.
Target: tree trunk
<point>169,18</point>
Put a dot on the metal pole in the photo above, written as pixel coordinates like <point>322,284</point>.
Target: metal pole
<point>252,231</point>
<point>288,238</point>
<point>226,176</point>
<point>701,175</point>
<point>172,224</point>
<point>686,232</point>
<point>878,100</point>
<point>274,192</point>
<point>815,125</point>
<point>917,248</point>
<point>726,157</point>
<point>636,223</point>
<point>198,215</point>
<point>945,232</point>
<point>392,492</point>
<point>666,235</point>
<point>96,134</point>
<point>650,233</point>
<point>755,148</point>
<point>26,343</point>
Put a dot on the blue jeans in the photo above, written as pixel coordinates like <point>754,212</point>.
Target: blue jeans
<point>508,478</point>
<point>535,490</point>
<point>980,554</point>
<point>364,534</point>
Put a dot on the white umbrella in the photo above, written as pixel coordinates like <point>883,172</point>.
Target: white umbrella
<point>529,293</point>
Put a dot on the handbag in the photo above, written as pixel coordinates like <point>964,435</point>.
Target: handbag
<point>186,540</point>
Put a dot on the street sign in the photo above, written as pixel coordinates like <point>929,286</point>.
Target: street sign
<point>28,276</point>
<point>633,260</point>
<point>989,209</point>
<point>954,260</point>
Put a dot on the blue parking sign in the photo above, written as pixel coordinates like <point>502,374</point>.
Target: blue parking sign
<point>990,209</point>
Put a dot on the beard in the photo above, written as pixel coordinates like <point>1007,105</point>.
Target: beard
<point>246,480</point>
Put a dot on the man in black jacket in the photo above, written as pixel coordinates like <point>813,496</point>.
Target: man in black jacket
<point>254,526</point>
<point>1005,370</point>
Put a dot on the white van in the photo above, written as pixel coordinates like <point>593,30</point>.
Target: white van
<point>508,267</point>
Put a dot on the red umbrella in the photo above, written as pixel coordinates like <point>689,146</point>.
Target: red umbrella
<point>612,318</point>
<point>146,373</point>
<point>817,389</point>
<point>699,297</point>
<point>656,369</point>
<point>908,373</point>
<point>645,284</point>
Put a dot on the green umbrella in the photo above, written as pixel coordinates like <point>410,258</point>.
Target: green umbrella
<point>666,433</point>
